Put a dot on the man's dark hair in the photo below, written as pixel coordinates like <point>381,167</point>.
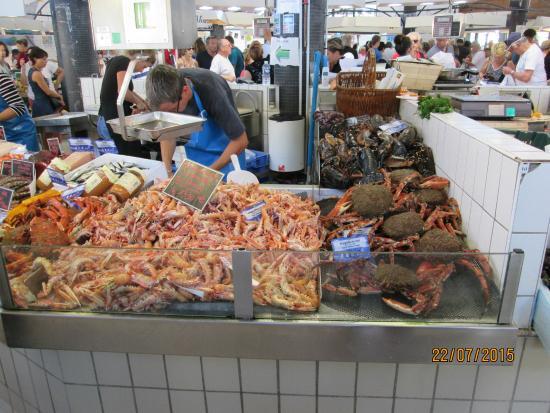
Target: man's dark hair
<point>403,46</point>
<point>24,42</point>
<point>163,84</point>
<point>230,39</point>
<point>375,39</point>
<point>530,33</point>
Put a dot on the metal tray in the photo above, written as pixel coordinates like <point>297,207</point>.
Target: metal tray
<point>69,119</point>
<point>156,126</point>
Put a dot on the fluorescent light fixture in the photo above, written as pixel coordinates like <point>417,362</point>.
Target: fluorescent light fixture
<point>259,9</point>
<point>346,7</point>
<point>206,8</point>
<point>460,2</point>
<point>394,4</point>
<point>234,8</point>
<point>429,3</point>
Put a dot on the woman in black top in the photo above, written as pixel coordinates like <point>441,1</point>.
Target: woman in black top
<point>112,82</point>
<point>46,101</point>
<point>255,62</point>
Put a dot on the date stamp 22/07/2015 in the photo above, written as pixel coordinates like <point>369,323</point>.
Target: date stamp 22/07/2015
<point>473,355</point>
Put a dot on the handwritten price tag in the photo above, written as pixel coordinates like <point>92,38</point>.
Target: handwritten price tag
<point>21,168</point>
<point>6,196</point>
<point>6,168</point>
<point>2,133</point>
<point>193,184</point>
<point>54,146</point>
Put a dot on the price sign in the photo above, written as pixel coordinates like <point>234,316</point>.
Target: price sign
<point>2,133</point>
<point>358,244</point>
<point>6,196</point>
<point>193,184</point>
<point>21,168</point>
<point>54,146</point>
<point>57,177</point>
<point>442,26</point>
<point>6,168</point>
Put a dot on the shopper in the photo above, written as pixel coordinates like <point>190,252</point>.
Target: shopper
<point>531,35</point>
<point>53,74</point>
<point>416,45</point>
<point>348,51</point>
<point>204,58</point>
<point>492,68</point>
<point>4,58</point>
<point>404,49</point>
<point>512,38</point>
<point>191,91</point>
<point>441,45</point>
<point>545,47</point>
<point>45,100</point>
<point>478,56</point>
<point>185,59</point>
<point>221,64</point>
<point>334,54</point>
<point>14,116</point>
<point>374,44</point>
<point>255,59</point>
<point>198,47</point>
<point>22,47</point>
<point>14,57</point>
<point>110,88</point>
<point>388,52</point>
<point>236,57</point>
<point>530,68</point>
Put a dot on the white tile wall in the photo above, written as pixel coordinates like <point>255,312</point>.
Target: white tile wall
<point>184,372</point>
<point>59,395</point>
<point>455,382</point>
<point>336,379</point>
<point>83,399</point>
<point>51,362</point>
<point>412,406</point>
<point>335,404</point>
<point>77,367</point>
<point>492,182</point>
<point>9,369</point>
<point>295,404</point>
<point>35,356</point>
<point>117,399</point>
<point>112,369</point>
<point>147,370</point>
<point>375,379</point>
<point>264,403</point>
<point>152,400</point>
<point>297,377</point>
<point>534,193</point>
<point>523,311</point>
<point>221,374</point>
<point>533,245</point>
<point>506,192</point>
<point>371,405</point>
<point>415,380</point>
<point>489,407</point>
<point>259,376</point>
<point>451,406</point>
<point>223,402</point>
<point>187,401</point>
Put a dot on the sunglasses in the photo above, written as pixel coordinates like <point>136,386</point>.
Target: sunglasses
<point>416,41</point>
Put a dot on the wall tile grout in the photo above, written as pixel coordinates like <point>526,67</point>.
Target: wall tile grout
<point>240,384</point>
<point>355,388</point>
<point>97,381</point>
<point>513,395</point>
<point>278,386</point>
<point>395,388</point>
<point>17,378</point>
<point>203,386</point>
<point>474,389</point>
<point>132,381</point>
<point>317,387</point>
<point>435,388</point>
<point>167,382</point>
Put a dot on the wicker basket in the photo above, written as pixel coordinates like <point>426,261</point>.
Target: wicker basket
<point>356,94</point>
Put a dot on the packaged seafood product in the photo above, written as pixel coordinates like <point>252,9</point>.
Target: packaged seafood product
<point>128,184</point>
<point>100,182</point>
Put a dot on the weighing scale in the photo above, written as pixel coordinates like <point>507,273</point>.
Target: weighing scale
<point>492,106</point>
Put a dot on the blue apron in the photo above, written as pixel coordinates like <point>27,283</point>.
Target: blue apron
<point>206,146</point>
<point>20,129</point>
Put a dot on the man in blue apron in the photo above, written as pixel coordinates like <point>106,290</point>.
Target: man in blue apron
<point>199,92</point>
<point>14,116</point>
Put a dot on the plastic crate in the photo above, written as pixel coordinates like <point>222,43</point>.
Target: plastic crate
<point>257,159</point>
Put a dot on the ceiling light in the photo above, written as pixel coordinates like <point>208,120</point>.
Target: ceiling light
<point>234,8</point>
<point>205,8</point>
<point>394,4</point>
<point>460,2</point>
<point>259,9</point>
<point>346,7</point>
<point>426,4</point>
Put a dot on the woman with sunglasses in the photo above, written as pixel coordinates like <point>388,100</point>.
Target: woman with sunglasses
<point>185,59</point>
<point>416,48</point>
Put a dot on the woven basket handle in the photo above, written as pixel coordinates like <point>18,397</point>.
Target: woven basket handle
<point>369,69</point>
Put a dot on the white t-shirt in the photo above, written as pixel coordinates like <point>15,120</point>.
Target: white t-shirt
<point>48,71</point>
<point>532,59</point>
<point>479,59</point>
<point>222,66</point>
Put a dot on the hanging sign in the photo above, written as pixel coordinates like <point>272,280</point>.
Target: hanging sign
<point>193,184</point>
<point>442,26</point>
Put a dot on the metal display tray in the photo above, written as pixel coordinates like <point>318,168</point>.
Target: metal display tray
<point>69,119</point>
<point>155,126</point>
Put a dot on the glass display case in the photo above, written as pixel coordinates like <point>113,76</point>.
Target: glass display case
<point>274,285</point>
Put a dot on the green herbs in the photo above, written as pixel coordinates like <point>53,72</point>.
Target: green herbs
<point>431,104</point>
